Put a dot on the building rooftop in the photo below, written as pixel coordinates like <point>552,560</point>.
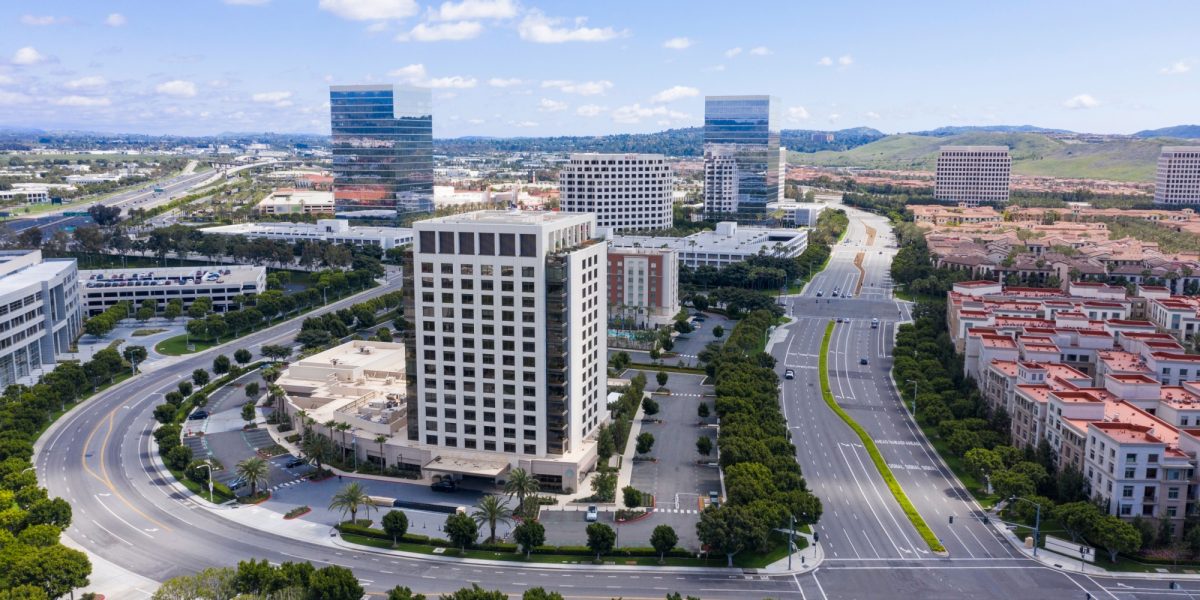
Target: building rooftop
<point>508,217</point>
<point>229,274</point>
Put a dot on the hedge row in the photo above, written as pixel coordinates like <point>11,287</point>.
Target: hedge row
<point>410,538</point>
<point>910,511</point>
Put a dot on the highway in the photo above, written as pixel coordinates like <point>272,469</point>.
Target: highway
<point>98,457</point>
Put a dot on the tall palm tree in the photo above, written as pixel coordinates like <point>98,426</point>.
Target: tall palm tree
<point>331,426</point>
<point>316,448</point>
<point>380,439</point>
<point>520,484</point>
<point>492,510</point>
<point>343,428</point>
<point>255,471</point>
<point>349,499</point>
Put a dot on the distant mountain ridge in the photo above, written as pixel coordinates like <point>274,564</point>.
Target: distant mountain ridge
<point>1187,132</point>
<point>960,129</point>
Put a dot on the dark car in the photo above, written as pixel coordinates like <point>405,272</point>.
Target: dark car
<point>445,485</point>
<point>238,483</point>
<point>862,361</point>
<point>198,415</point>
<point>294,462</point>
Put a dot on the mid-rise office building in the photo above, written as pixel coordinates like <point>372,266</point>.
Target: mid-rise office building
<point>507,344</point>
<point>103,288</point>
<point>973,174</point>
<point>296,202</point>
<point>1177,180</point>
<point>382,148</point>
<point>627,192</point>
<point>742,156</point>
<point>39,312</point>
<point>643,284</point>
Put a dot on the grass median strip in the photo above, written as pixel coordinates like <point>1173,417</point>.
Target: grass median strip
<point>910,511</point>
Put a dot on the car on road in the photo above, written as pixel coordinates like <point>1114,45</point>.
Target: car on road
<point>238,483</point>
<point>198,415</point>
<point>848,296</point>
<point>789,374</point>
<point>714,498</point>
<point>820,293</point>
<point>834,294</point>
<point>592,515</point>
<point>862,361</point>
<point>444,485</point>
<point>294,462</point>
<point>874,323</point>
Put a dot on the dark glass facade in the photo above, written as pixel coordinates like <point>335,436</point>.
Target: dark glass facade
<point>746,128</point>
<point>382,148</point>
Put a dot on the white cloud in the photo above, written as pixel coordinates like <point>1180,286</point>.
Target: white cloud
<point>548,105</point>
<point>247,2</point>
<point>678,43</point>
<point>28,56</point>
<point>81,101</point>
<point>674,93</point>
<point>760,51</point>
<point>177,87</point>
<point>13,98</point>
<point>503,83</point>
<point>91,81</point>
<point>797,113</point>
<point>872,115</point>
<point>845,60</point>
<point>732,52</point>
<point>442,32</point>
<point>1081,101</point>
<point>455,82</point>
<point>115,20</point>
<point>834,117</point>
<point>278,99</point>
<point>590,110</point>
<point>634,113</point>
<point>1178,67</point>
<point>524,123</point>
<point>409,74</point>
<point>474,9</point>
<point>583,88</point>
<point>370,10</point>
<point>42,21</point>
<point>825,61</point>
<point>537,27</point>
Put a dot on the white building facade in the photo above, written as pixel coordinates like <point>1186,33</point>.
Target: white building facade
<point>334,231</point>
<point>507,341</point>
<point>720,183</point>
<point>627,192</point>
<point>1177,180</point>
<point>973,174</point>
<point>101,289</point>
<point>40,314</point>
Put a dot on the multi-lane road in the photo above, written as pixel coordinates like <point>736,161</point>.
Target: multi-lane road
<point>99,458</point>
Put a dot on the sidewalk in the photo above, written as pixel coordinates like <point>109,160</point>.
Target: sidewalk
<point>109,579</point>
<point>803,561</point>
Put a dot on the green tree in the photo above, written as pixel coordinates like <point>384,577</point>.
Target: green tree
<point>650,406</point>
<point>56,570</point>
<point>334,583</point>
<point>248,412</point>
<point>520,484</point>
<point>492,511</point>
<point>718,332</point>
<point>242,356</point>
<point>704,445</point>
<point>662,378</point>
<point>350,499</point>
<point>177,458</point>
<point>1192,539</point>
<point>1009,483</point>
<point>252,389</point>
<point>540,593</point>
<point>255,470</point>
<point>645,442</point>
<point>185,388</point>
<point>134,354</point>
<point>663,539</point>
<point>529,535</point>
<point>1077,518</point>
<point>475,593</point>
<point>604,486</point>
<point>600,538</point>
<point>605,446</point>
<point>220,364</point>
<point>632,496</point>
<point>164,413</point>
<point>395,524</point>
<point>729,530</point>
<point>403,593</point>
<point>702,410</point>
<point>981,463</point>
<point>461,529</point>
<point>1116,536</point>
<point>173,311</point>
<point>200,377</point>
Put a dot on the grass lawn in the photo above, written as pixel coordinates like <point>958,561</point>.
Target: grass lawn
<point>176,346</point>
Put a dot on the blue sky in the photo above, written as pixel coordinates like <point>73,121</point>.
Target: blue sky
<point>536,67</point>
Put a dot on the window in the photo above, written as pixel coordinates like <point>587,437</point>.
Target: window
<point>487,247</point>
<point>1131,458</point>
<point>427,242</point>
<point>466,243</point>
<point>1127,491</point>
<point>1153,459</point>
<point>528,244</point>
<point>508,244</point>
<point>445,242</point>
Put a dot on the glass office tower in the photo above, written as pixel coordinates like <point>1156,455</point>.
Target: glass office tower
<point>382,150</point>
<point>741,153</point>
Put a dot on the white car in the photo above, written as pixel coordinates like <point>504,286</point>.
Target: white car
<point>593,514</point>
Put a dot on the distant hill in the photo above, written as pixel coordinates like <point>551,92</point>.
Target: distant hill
<point>687,141</point>
<point>1119,159</point>
<point>956,130</point>
<point>1188,132</point>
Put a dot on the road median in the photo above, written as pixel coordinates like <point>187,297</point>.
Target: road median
<point>906,505</point>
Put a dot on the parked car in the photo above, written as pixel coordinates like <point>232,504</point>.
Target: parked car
<point>198,415</point>
<point>820,293</point>
<point>862,361</point>
<point>240,482</point>
<point>714,498</point>
<point>294,462</point>
<point>592,515</point>
<point>789,374</point>
<point>445,485</point>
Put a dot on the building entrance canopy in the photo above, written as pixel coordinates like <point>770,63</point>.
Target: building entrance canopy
<point>474,467</point>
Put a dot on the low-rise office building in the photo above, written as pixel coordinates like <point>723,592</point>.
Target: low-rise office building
<point>643,284</point>
<point>800,214</point>
<point>296,202</point>
<point>101,289</point>
<point>334,231</point>
<point>729,243</point>
<point>40,313</point>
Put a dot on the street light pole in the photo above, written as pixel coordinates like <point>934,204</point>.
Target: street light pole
<point>914,400</point>
<point>208,465</point>
<point>791,536</point>
<point>1037,520</point>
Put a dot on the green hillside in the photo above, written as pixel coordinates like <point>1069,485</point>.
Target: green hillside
<point>1122,159</point>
